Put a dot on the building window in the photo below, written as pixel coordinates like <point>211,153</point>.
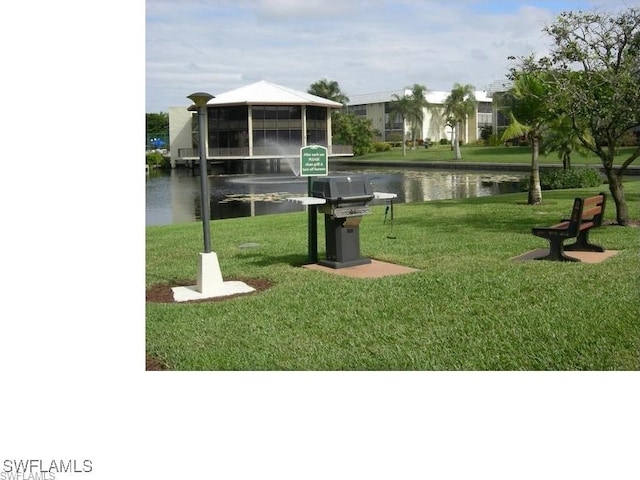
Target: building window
<point>316,125</point>
<point>228,127</point>
<point>359,110</point>
<point>316,137</point>
<point>276,124</point>
<point>485,119</point>
<point>484,107</point>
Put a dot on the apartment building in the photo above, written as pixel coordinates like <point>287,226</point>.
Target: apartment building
<point>377,108</point>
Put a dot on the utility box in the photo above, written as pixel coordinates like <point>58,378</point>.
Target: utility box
<point>347,199</point>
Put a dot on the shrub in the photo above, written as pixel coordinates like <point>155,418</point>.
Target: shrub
<point>444,141</point>
<point>494,141</point>
<point>395,138</point>
<point>557,179</point>
<point>517,142</point>
<point>155,159</point>
<point>381,146</point>
<point>485,133</point>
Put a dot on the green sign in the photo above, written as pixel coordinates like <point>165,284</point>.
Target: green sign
<point>313,161</point>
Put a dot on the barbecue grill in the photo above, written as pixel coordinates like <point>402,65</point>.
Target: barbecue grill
<point>347,199</point>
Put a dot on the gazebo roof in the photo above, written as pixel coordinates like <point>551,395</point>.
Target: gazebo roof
<point>267,93</point>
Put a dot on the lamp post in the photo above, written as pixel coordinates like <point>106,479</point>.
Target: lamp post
<point>210,282</point>
<point>209,275</point>
<point>200,99</point>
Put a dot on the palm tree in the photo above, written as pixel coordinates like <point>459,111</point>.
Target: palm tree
<point>562,138</point>
<point>420,103</point>
<point>528,111</point>
<point>402,106</point>
<point>460,103</point>
<point>410,107</point>
<point>329,89</point>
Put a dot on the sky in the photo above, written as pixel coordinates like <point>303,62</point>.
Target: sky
<point>367,46</point>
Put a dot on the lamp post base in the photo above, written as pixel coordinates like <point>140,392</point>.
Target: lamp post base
<point>209,283</point>
<point>209,274</point>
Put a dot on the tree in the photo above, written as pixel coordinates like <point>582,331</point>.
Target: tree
<point>529,114</point>
<point>595,81</point>
<point>350,129</point>
<point>329,89</point>
<point>157,125</point>
<point>416,115</point>
<point>410,107</point>
<point>402,106</point>
<point>458,105</point>
<point>562,139</point>
<point>451,123</point>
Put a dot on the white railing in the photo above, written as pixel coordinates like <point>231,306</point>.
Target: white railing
<point>276,151</point>
<point>228,152</point>
<point>268,151</point>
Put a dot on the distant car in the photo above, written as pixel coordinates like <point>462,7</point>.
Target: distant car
<point>157,143</point>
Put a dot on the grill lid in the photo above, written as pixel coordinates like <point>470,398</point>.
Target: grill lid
<point>345,188</point>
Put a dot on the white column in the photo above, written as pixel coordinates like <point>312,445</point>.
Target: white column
<point>329,139</point>
<point>304,125</point>
<point>250,126</point>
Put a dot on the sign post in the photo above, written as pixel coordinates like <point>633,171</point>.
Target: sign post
<point>313,163</point>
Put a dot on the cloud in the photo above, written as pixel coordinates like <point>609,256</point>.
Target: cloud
<point>291,9</point>
<point>366,46</point>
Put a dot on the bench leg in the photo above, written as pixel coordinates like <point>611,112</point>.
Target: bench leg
<point>556,251</point>
<point>582,244</point>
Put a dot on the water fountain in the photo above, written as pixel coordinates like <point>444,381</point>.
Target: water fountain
<point>273,187</point>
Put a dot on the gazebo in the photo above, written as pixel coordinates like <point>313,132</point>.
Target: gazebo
<point>261,121</point>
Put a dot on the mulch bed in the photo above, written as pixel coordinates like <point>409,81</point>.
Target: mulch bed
<point>164,294</point>
<point>154,364</point>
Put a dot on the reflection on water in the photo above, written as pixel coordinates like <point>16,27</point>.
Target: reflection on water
<point>174,197</point>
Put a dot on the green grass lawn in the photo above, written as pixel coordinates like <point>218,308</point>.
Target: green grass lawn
<point>474,153</point>
<point>468,308</point>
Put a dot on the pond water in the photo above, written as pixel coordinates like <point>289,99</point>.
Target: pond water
<point>174,196</point>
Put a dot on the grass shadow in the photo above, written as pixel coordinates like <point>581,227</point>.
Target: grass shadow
<point>264,260</point>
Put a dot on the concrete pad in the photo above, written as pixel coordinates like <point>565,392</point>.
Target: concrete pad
<point>184,294</point>
<point>585,257</point>
<point>375,269</point>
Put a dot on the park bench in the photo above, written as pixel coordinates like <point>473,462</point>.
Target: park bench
<point>587,213</point>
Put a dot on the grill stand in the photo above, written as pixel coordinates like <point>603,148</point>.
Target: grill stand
<point>346,202</point>
<point>342,237</point>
